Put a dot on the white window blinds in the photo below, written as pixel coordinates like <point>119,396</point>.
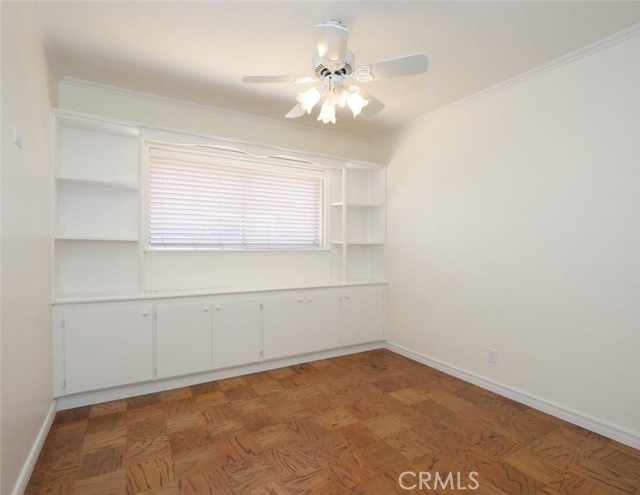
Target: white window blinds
<point>200,201</point>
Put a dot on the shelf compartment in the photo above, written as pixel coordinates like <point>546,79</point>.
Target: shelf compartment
<point>90,211</point>
<point>365,187</point>
<point>364,226</point>
<point>97,156</point>
<point>365,262</point>
<point>90,267</point>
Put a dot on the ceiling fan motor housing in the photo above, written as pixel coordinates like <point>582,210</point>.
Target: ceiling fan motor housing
<point>327,67</point>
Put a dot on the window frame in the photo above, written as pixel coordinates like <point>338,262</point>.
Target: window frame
<point>234,158</point>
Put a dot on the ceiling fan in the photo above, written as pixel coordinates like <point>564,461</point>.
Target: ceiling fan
<point>333,69</point>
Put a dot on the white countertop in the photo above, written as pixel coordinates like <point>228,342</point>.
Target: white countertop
<point>213,291</point>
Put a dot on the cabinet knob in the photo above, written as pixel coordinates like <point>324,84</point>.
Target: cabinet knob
<point>300,299</point>
<point>205,309</point>
<point>146,313</point>
<point>309,299</point>
<point>218,308</point>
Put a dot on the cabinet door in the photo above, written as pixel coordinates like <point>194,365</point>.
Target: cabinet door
<point>363,315</point>
<point>283,325</point>
<point>108,347</point>
<point>183,338</point>
<point>236,332</point>
<point>323,320</point>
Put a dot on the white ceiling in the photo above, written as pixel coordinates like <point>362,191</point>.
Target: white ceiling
<point>198,51</point>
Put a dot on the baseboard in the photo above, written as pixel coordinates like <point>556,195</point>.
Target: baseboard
<point>620,434</point>
<point>95,397</point>
<point>36,448</point>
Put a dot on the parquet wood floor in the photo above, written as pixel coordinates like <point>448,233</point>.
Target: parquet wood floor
<point>341,426</point>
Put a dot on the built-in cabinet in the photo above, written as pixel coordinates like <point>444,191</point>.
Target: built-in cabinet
<point>323,320</point>
<point>284,324</point>
<point>236,331</point>
<point>301,322</point>
<point>363,315</point>
<point>183,338</point>
<point>107,346</point>
<point>116,325</point>
<point>111,344</point>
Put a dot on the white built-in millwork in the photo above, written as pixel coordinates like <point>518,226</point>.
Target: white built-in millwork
<point>102,243</point>
<point>183,338</point>
<point>363,315</point>
<point>299,322</point>
<point>102,345</point>
<point>127,313</point>
<point>107,346</point>
<point>96,203</point>
<point>237,322</point>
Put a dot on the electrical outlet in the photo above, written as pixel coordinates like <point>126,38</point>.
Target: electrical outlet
<point>493,355</point>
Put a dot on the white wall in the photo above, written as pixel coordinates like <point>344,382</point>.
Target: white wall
<point>26,379</point>
<point>514,223</point>
<point>238,270</point>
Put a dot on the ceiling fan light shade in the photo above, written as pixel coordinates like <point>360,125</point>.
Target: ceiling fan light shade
<point>337,96</point>
<point>355,101</point>
<point>308,99</point>
<point>327,113</point>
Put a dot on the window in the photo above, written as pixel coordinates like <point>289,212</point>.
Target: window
<point>200,200</point>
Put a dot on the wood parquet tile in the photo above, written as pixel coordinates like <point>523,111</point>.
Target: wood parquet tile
<point>345,426</point>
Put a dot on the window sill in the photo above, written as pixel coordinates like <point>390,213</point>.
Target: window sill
<point>247,251</point>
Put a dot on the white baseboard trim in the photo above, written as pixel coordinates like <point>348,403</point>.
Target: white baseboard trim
<point>95,397</point>
<point>604,428</point>
<point>36,448</point>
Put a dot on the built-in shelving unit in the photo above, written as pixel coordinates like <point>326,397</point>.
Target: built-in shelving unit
<point>96,238</point>
<point>358,227</point>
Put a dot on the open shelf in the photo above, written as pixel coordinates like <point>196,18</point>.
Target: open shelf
<point>360,243</point>
<point>91,266</point>
<point>93,155</point>
<point>98,183</point>
<point>358,205</point>
<point>358,225</point>
<point>86,210</point>
<point>97,209</point>
<point>96,239</point>
<point>365,262</point>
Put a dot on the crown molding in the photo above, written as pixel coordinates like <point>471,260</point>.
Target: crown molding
<point>585,51</point>
<point>222,112</point>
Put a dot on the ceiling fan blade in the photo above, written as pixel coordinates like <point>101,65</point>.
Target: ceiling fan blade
<point>374,106</point>
<point>332,41</point>
<point>278,79</point>
<point>395,67</point>
<point>295,112</point>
